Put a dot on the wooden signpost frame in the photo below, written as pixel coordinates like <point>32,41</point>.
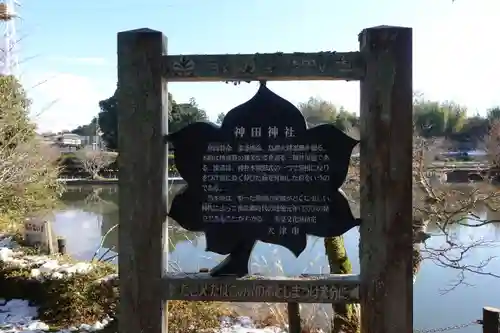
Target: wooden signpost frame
<point>383,65</point>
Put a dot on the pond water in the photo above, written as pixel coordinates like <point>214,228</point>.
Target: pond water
<point>91,211</point>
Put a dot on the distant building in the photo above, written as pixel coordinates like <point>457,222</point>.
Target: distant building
<point>69,139</point>
<point>66,142</point>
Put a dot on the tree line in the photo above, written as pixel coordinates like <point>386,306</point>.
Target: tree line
<point>179,115</point>
<point>433,119</point>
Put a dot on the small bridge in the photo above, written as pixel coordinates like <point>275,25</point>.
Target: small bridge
<point>463,171</point>
<point>450,166</point>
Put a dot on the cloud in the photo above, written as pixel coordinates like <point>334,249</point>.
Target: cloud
<point>62,100</point>
<point>92,61</point>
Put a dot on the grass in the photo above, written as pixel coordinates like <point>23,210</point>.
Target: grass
<point>86,298</point>
<point>314,317</point>
<point>65,302</point>
<point>83,298</point>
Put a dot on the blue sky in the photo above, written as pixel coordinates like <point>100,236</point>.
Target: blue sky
<point>68,48</point>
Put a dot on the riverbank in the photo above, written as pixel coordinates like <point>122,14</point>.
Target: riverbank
<point>56,293</point>
<point>456,171</point>
<point>87,181</point>
<point>107,181</point>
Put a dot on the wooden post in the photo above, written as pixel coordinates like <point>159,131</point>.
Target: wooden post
<point>294,324</point>
<point>386,180</point>
<point>142,122</point>
<point>61,245</point>
<point>491,320</point>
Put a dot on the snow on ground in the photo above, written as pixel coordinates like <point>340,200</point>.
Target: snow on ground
<point>42,267</point>
<point>18,316</point>
<point>244,325</point>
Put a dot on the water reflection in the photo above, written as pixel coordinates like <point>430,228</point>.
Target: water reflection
<point>91,211</point>
<point>95,211</point>
<point>81,229</point>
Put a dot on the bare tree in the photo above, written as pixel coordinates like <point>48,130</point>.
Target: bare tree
<point>444,207</point>
<point>94,161</point>
<point>447,206</point>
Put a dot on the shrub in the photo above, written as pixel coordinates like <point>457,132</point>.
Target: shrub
<point>28,169</point>
<point>87,298</point>
<point>62,302</point>
<point>93,161</point>
<point>71,166</point>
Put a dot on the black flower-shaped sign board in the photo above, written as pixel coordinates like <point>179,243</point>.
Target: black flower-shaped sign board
<point>263,175</point>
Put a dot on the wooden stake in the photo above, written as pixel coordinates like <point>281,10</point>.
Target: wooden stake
<point>294,325</point>
<point>491,320</point>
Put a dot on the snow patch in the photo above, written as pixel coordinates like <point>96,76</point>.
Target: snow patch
<point>245,324</point>
<point>18,316</point>
<point>42,267</point>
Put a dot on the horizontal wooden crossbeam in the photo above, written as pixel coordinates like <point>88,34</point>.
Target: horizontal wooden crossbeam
<point>256,288</point>
<point>263,67</point>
